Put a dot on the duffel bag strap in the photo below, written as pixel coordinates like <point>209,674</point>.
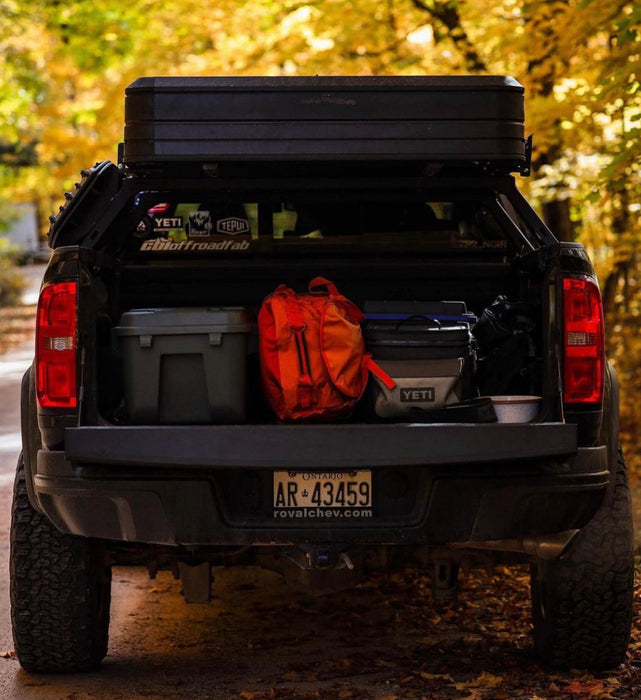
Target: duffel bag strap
<point>322,282</point>
<point>379,372</point>
<point>354,314</point>
<point>296,320</point>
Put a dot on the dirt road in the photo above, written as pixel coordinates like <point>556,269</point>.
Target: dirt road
<point>259,640</point>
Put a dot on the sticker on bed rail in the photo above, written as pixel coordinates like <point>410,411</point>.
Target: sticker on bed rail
<point>198,224</point>
<point>164,245</point>
<point>232,226</point>
<point>496,245</point>
<point>201,225</point>
<point>167,223</point>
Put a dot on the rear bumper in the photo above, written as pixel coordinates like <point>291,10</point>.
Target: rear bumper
<point>213,485</point>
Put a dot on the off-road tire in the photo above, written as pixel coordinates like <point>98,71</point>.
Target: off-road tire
<point>582,601</point>
<point>60,592</point>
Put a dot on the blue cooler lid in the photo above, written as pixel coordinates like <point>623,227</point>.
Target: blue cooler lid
<point>445,311</point>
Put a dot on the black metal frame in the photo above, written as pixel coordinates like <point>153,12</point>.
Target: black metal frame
<point>122,202</point>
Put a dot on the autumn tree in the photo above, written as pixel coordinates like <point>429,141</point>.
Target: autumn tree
<point>67,64</point>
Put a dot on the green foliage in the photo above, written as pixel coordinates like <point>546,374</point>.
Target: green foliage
<point>7,217</point>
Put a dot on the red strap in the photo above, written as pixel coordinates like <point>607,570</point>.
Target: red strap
<point>296,319</point>
<point>294,312</point>
<point>322,282</point>
<point>305,396</point>
<point>379,372</point>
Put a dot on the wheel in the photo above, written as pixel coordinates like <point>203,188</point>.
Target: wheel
<point>60,592</point>
<point>582,601</point>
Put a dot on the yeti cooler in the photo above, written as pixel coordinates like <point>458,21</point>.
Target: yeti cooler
<point>184,365</point>
<point>424,384</point>
<point>431,364</point>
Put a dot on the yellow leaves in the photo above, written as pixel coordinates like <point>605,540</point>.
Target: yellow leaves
<point>65,87</point>
<point>591,688</point>
<point>583,686</point>
<point>482,682</point>
<point>436,677</point>
<point>487,686</point>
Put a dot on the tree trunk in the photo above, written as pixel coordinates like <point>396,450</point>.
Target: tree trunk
<point>556,215</point>
<point>448,15</point>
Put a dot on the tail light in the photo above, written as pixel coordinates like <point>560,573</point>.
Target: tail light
<point>584,356</point>
<point>56,343</point>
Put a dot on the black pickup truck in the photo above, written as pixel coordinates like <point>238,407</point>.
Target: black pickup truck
<point>147,437</point>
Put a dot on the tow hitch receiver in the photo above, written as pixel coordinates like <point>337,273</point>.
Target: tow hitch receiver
<point>322,568</point>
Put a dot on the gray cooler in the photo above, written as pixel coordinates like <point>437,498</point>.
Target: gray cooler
<point>432,364</point>
<point>424,384</point>
<point>185,365</point>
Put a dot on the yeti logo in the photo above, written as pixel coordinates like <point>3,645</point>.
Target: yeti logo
<point>199,223</point>
<point>232,225</point>
<point>167,223</point>
<point>418,395</point>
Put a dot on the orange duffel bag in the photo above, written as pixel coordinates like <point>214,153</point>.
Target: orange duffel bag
<point>312,353</point>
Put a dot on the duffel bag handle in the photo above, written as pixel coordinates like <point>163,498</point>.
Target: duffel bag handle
<point>431,322</point>
<point>322,282</point>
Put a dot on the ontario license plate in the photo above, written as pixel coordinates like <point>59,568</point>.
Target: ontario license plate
<point>322,495</point>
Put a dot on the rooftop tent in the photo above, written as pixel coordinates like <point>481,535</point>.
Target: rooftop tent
<point>437,119</point>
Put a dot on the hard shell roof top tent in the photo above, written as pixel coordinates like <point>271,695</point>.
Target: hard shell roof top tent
<point>419,119</point>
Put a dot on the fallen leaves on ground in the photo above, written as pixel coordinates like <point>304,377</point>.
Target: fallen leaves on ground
<point>478,647</point>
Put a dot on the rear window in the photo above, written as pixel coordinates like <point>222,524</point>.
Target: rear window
<point>323,225</point>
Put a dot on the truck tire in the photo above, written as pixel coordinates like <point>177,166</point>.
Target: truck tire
<point>60,591</point>
<point>582,601</point>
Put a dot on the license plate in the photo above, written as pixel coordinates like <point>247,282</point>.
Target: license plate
<point>320,495</point>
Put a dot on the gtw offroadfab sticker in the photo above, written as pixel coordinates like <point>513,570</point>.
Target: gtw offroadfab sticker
<point>162,245</point>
